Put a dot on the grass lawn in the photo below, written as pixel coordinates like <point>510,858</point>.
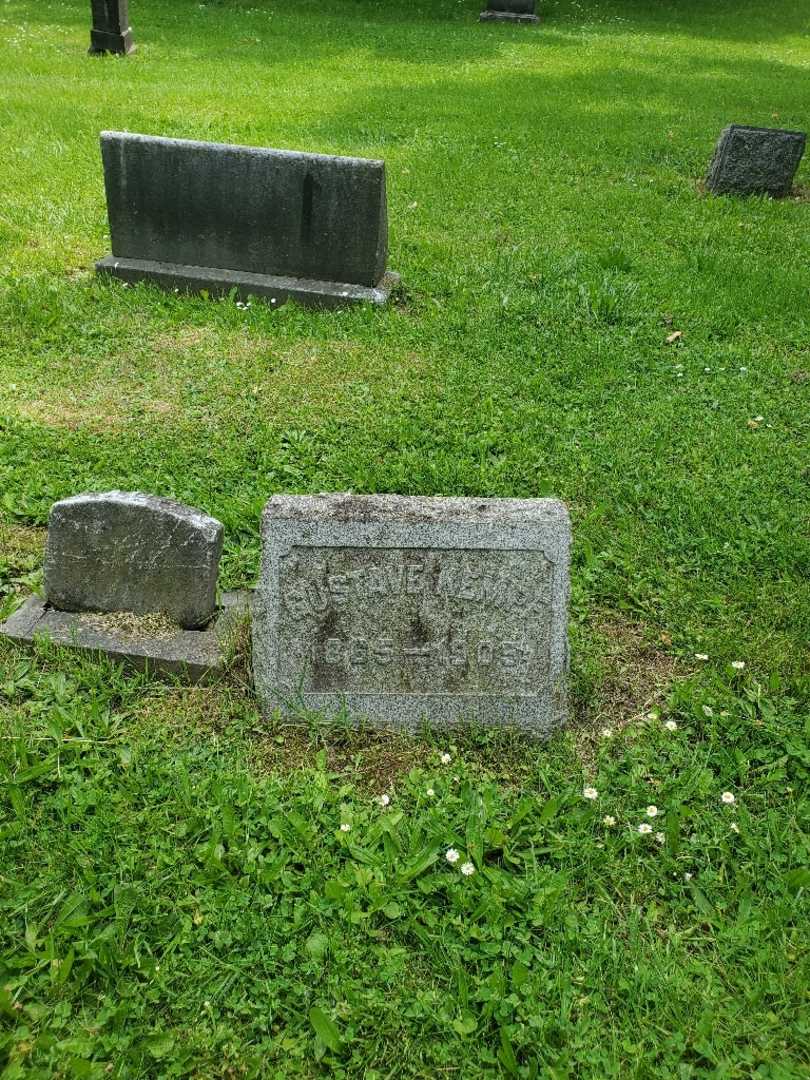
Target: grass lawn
<point>177,897</point>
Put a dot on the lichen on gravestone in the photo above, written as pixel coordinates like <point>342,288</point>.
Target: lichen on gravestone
<point>129,552</point>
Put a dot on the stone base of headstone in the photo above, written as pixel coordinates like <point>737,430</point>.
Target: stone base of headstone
<point>275,290</point>
<point>507,16</point>
<point>102,42</point>
<point>192,656</point>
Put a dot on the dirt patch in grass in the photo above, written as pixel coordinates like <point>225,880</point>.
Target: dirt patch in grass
<point>100,411</point>
<point>637,671</point>
<point>19,544</point>
<point>373,760</point>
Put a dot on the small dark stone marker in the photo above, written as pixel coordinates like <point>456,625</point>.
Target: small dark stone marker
<point>509,11</point>
<point>755,161</point>
<point>111,31</point>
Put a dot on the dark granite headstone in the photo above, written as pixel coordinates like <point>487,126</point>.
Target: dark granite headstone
<point>271,223</point>
<point>111,30</point>
<point>123,551</point>
<point>510,11</point>
<point>755,161</point>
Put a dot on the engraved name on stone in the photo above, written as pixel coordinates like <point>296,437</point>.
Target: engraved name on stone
<point>393,620</point>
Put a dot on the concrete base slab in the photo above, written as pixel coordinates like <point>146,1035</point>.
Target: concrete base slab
<point>507,16</point>
<point>275,290</point>
<point>191,655</point>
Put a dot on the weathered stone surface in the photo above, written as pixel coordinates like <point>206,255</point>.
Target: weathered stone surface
<point>755,161</point>
<point>406,609</point>
<point>192,656</point>
<point>124,551</point>
<point>111,31</point>
<point>205,208</point>
<point>510,11</point>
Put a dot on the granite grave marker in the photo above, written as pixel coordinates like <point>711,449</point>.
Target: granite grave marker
<point>755,161</point>
<point>523,11</point>
<point>111,32</point>
<point>269,223</point>
<point>406,609</point>
<point>133,576</point>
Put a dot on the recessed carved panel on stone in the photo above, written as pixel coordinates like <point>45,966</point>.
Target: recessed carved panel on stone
<point>407,620</point>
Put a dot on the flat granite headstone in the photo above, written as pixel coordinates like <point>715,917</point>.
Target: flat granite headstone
<point>124,551</point>
<point>510,11</point>
<point>269,223</point>
<point>111,32</point>
<point>755,161</point>
<point>412,609</point>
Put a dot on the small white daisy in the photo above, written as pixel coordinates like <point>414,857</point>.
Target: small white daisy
<point>701,656</point>
<point>659,836</point>
<point>430,791</point>
<point>590,793</point>
<point>446,758</point>
<point>385,800</point>
<point>670,725</point>
<point>652,811</point>
<point>609,820</point>
<point>467,869</point>
<point>345,827</point>
<point>738,665</point>
<point>734,827</point>
<point>452,855</point>
<point>728,798</point>
<point>645,828</point>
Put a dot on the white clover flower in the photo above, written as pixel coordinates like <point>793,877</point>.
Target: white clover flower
<point>738,665</point>
<point>446,758</point>
<point>659,836</point>
<point>385,800</point>
<point>645,828</point>
<point>734,827</point>
<point>670,725</point>
<point>687,876</point>
<point>728,798</point>
<point>430,791</point>
<point>701,656</point>
<point>467,869</point>
<point>452,855</point>
<point>652,811</point>
<point>606,732</point>
<point>345,827</point>
<point>609,820</point>
<point>707,710</point>
<point>590,793</point>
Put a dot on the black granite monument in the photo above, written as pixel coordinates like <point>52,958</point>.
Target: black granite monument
<point>111,31</point>
<point>274,224</point>
<point>522,11</point>
<point>755,161</point>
